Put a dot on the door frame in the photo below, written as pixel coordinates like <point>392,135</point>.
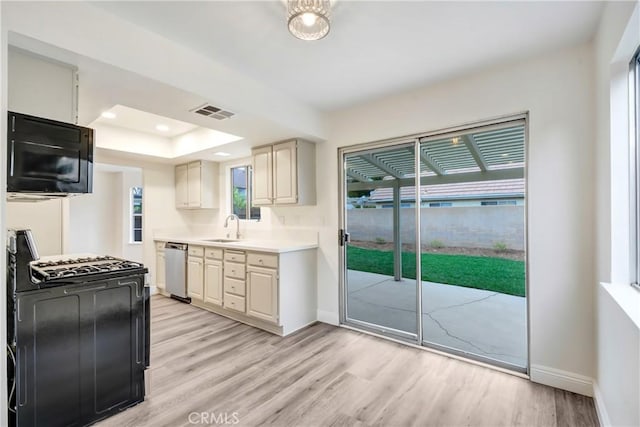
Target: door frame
<point>403,336</point>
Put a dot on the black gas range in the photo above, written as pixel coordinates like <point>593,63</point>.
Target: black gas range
<point>77,335</point>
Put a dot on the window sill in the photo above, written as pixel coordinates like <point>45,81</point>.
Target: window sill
<point>134,243</point>
<point>627,298</point>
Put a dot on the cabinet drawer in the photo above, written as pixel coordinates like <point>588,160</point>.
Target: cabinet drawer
<point>233,302</point>
<point>160,246</point>
<point>234,269</point>
<point>234,256</point>
<point>196,251</point>
<point>234,286</point>
<point>262,260</point>
<point>213,253</point>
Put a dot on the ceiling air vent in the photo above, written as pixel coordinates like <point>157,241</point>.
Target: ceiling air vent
<point>213,112</point>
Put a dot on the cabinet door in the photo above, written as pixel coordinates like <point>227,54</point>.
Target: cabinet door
<point>262,184</point>
<point>213,282</point>
<point>160,270</point>
<point>285,176</point>
<point>195,279</point>
<point>194,180</point>
<point>182,190</point>
<point>262,294</point>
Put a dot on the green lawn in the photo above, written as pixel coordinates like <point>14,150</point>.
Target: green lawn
<point>493,274</point>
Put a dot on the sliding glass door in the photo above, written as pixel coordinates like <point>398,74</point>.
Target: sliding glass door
<point>447,242</point>
<point>380,220</point>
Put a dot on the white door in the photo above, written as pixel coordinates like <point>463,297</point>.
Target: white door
<point>182,191</point>
<point>285,166</point>
<point>262,294</point>
<point>213,282</point>
<point>262,176</point>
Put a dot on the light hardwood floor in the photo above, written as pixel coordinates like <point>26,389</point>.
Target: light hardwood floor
<point>325,376</point>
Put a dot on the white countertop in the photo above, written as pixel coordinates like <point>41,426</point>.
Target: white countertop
<point>275,246</point>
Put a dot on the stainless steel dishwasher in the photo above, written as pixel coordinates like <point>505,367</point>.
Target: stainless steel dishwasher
<point>176,270</point>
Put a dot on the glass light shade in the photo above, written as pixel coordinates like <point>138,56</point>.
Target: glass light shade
<point>309,19</point>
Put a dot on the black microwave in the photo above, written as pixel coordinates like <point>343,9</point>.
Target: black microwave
<point>48,157</point>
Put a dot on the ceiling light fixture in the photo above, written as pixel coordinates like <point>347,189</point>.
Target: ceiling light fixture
<point>221,154</point>
<point>309,19</point>
<point>108,115</point>
<point>162,128</point>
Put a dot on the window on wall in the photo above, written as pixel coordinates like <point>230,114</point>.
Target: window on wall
<point>241,193</point>
<point>440,204</point>
<point>498,203</point>
<point>136,214</point>
<point>635,167</point>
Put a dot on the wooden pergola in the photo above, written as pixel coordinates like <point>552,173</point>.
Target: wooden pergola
<point>495,152</point>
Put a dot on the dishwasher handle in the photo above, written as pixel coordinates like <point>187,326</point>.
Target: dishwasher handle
<point>178,246</point>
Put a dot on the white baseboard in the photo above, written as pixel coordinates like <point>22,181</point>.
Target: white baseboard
<point>601,409</point>
<point>564,380</point>
<point>328,317</point>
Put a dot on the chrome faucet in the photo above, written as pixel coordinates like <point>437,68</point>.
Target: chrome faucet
<point>226,224</point>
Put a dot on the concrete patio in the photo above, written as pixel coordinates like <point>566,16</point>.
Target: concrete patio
<point>485,323</point>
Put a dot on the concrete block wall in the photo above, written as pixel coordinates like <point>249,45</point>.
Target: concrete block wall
<point>472,227</point>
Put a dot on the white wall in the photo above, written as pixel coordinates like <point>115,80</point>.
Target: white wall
<point>43,218</point>
<point>557,90</point>
<point>41,87</point>
<point>158,198</point>
<point>129,178</point>
<point>95,219</point>
<point>617,375</point>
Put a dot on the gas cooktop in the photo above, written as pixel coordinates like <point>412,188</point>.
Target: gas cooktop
<point>81,268</point>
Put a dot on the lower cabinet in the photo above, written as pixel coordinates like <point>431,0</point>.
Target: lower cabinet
<point>273,291</point>
<point>262,293</point>
<point>160,266</point>
<point>195,279</point>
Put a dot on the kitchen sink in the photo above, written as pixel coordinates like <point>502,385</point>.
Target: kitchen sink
<point>220,240</point>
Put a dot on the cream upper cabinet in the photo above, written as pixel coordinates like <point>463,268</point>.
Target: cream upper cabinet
<point>195,277</point>
<point>196,185</point>
<point>262,176</point>
<point>284,174</point>
<point>182,189</point>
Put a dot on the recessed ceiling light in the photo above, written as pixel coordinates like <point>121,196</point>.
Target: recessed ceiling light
<point>108,115</point>
<point>505,154</point>
<point>162,128</point>
<point>221,154</point>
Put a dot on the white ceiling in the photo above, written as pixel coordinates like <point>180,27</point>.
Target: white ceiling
<point>374,48</point>
<point>143,121</point>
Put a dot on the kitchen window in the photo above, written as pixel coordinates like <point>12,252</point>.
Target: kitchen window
<point>241,193</point>
<point>136,215</point>
<point>634,125</point>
